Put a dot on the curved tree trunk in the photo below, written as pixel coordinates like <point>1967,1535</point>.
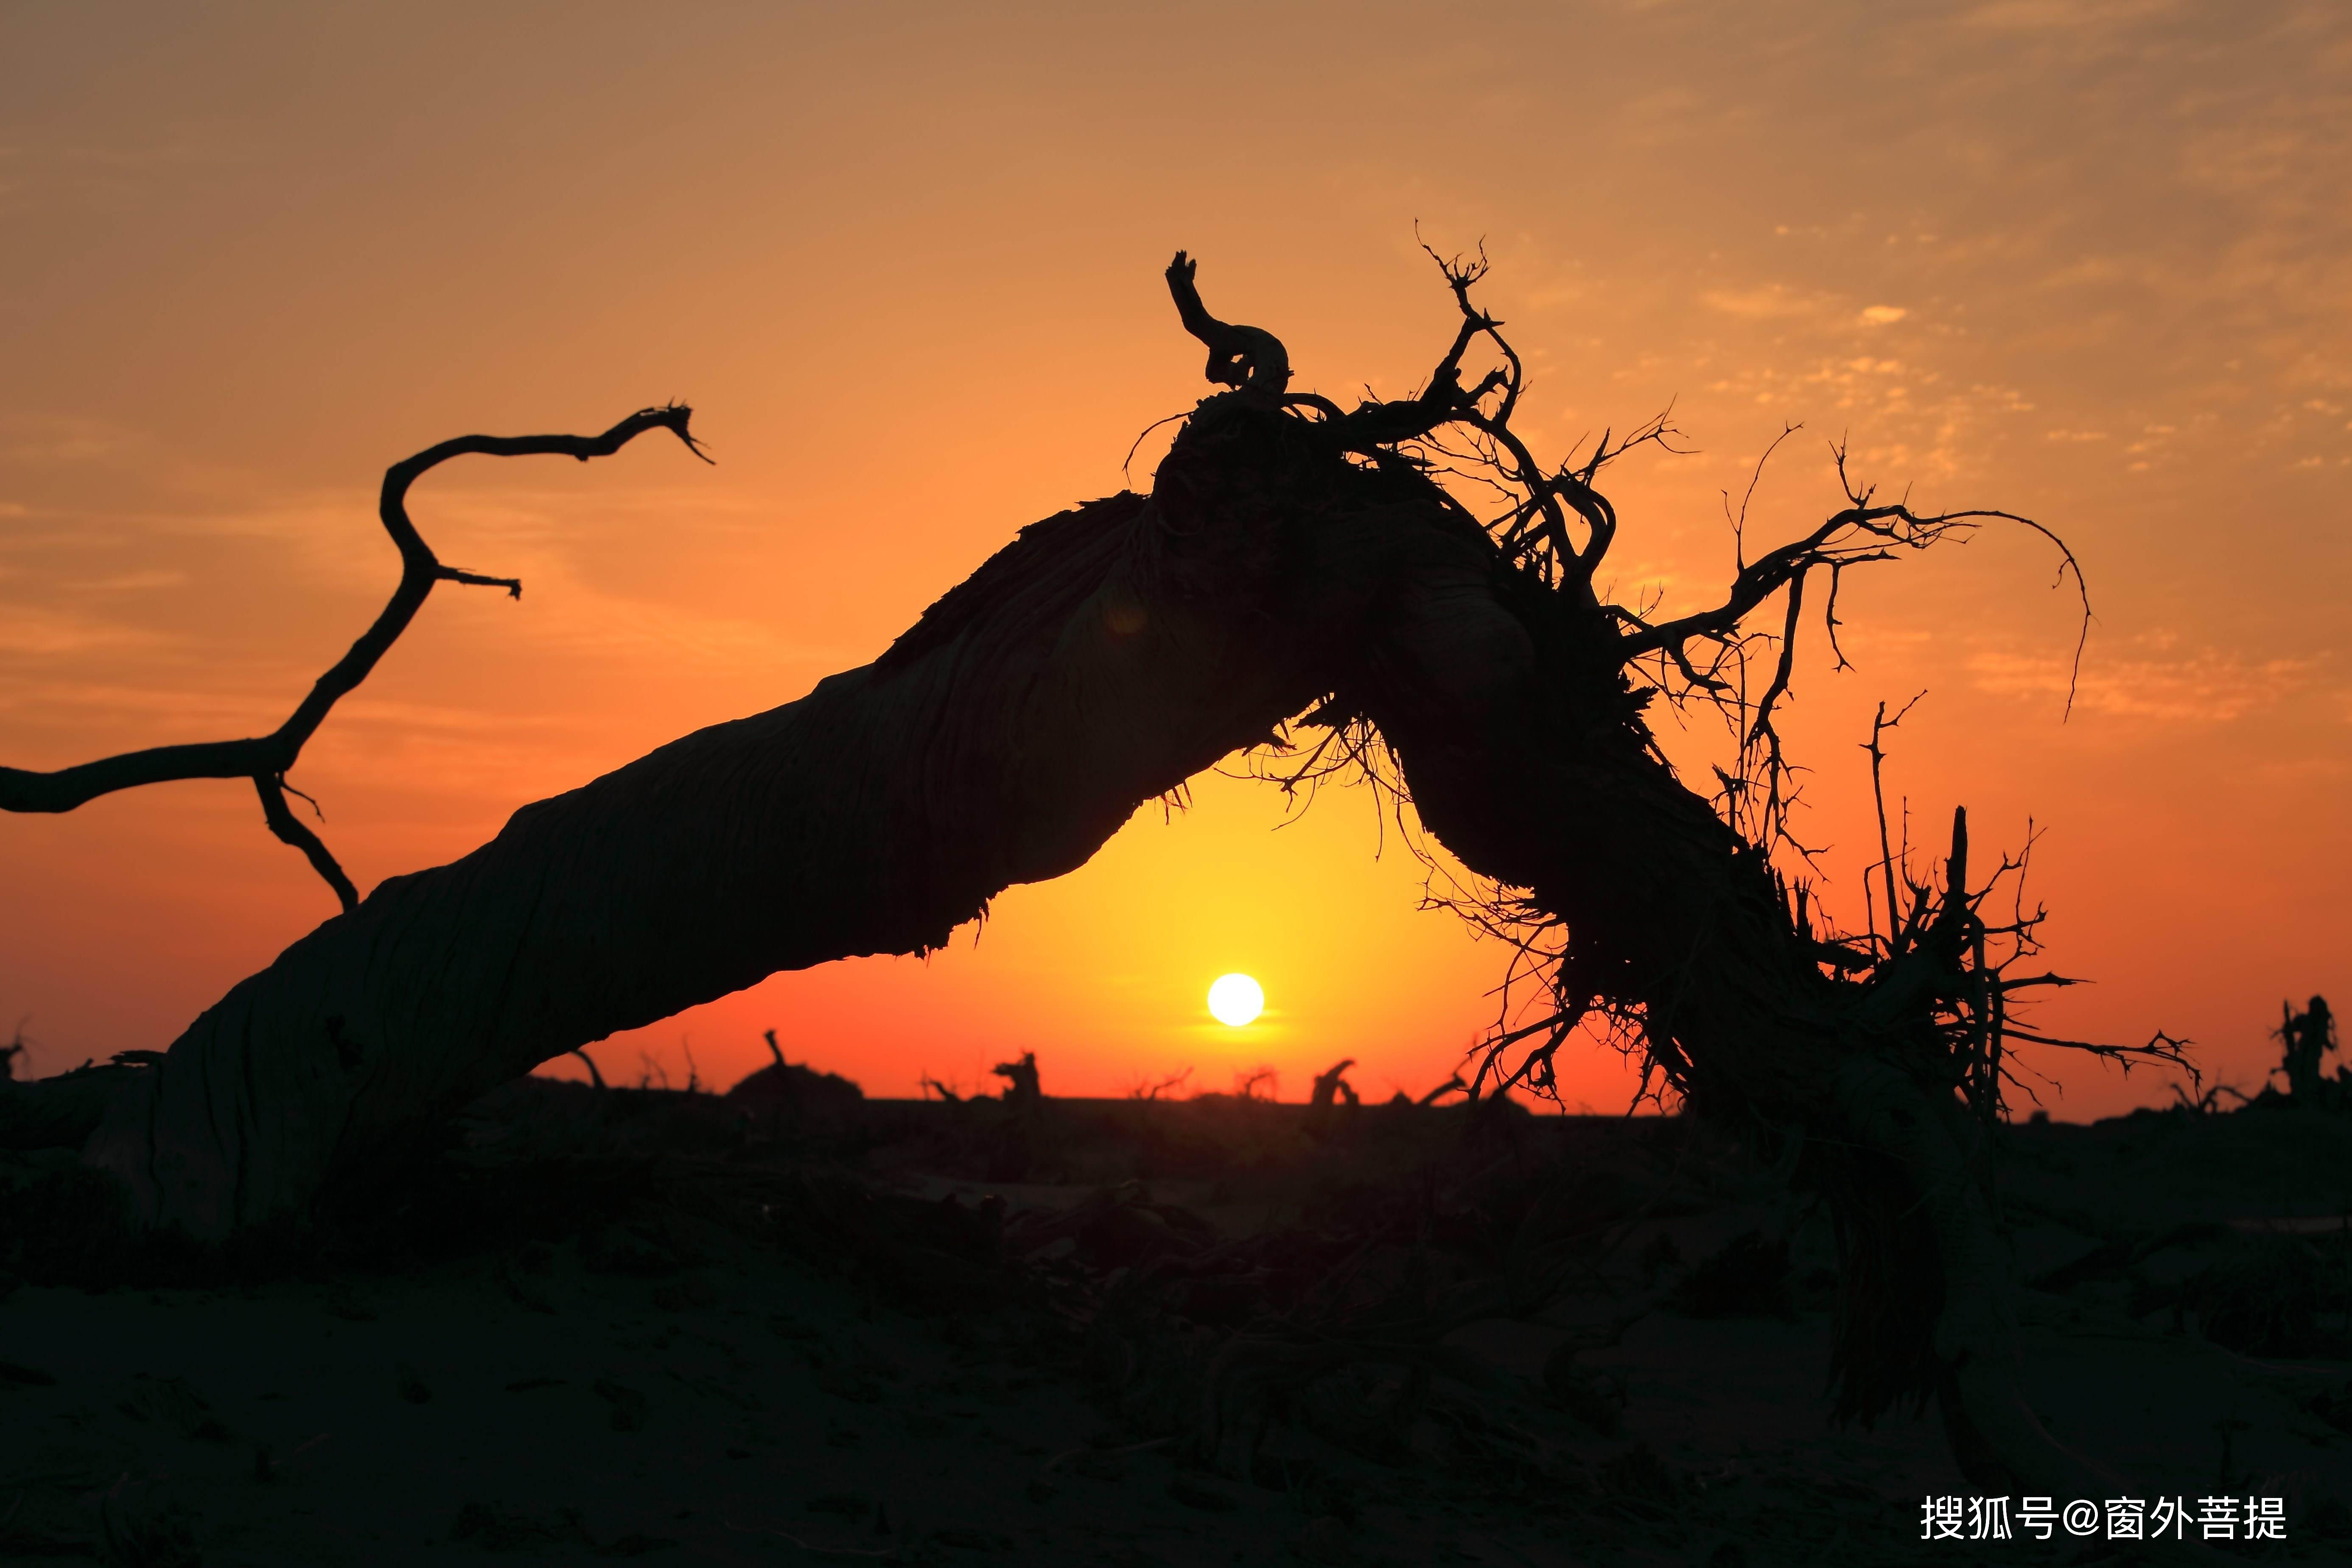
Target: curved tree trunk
<point>1100,660</point>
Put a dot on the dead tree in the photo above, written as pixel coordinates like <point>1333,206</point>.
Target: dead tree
<point>1302,576</point>
<point>1021,1084</point>
<point>2308,1036</point>
<point>1332,1087</point>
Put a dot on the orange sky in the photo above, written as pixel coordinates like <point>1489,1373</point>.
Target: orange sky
<point>2088,261</point>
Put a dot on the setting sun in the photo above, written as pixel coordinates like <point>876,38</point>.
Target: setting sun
<point>1235,999</point>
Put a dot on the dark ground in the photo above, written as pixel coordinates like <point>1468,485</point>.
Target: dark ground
<point>792,1326</point>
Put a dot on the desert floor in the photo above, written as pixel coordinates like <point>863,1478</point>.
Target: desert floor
<point>789,1325</point>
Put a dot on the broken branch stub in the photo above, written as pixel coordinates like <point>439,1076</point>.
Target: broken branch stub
<point>1244,358</point>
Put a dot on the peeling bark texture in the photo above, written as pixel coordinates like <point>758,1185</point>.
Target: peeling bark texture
<point>1290,559</point>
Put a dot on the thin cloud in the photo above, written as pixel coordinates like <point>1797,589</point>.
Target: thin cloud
<point>131,582</point>
<point>45,633</point>
<point>49,176</point>
<point>50,438</point>
<point>1769,302</point>
<point>2204,688</point>
<point>2064,16</point>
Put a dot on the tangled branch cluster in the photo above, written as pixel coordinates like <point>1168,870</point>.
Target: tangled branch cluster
<point>1939,949</point>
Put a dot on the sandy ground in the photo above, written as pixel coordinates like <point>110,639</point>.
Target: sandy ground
<point>633,1377</point>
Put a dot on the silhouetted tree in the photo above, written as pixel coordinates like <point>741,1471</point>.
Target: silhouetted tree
<point>1331,1086</point>
<point>2306,1035</point>
<point>1020,1085</point>
<point>1299,579</point>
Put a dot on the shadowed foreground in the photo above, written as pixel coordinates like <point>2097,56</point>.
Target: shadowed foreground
<point>700,1329</point>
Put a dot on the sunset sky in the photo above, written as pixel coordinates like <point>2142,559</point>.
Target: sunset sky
<point>2088,261</point>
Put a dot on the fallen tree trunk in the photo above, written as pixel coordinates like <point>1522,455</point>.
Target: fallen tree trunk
<point>1099,661</point>
<point>1290,555</point>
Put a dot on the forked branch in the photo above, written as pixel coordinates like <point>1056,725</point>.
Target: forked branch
<point>265,759</point>
<point>1863,531</point>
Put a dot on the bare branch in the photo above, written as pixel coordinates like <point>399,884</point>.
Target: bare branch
<point>267,759</point>
<point>1861,533</point>
<point>291,829</point>
<point>1786,665</point>
<point>1879,725</point>
<point>1756,476</point>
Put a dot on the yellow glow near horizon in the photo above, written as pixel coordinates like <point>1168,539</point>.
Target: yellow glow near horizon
<point>1235,999</point>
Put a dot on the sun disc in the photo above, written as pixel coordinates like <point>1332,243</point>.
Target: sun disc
<point>1235,999</point>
